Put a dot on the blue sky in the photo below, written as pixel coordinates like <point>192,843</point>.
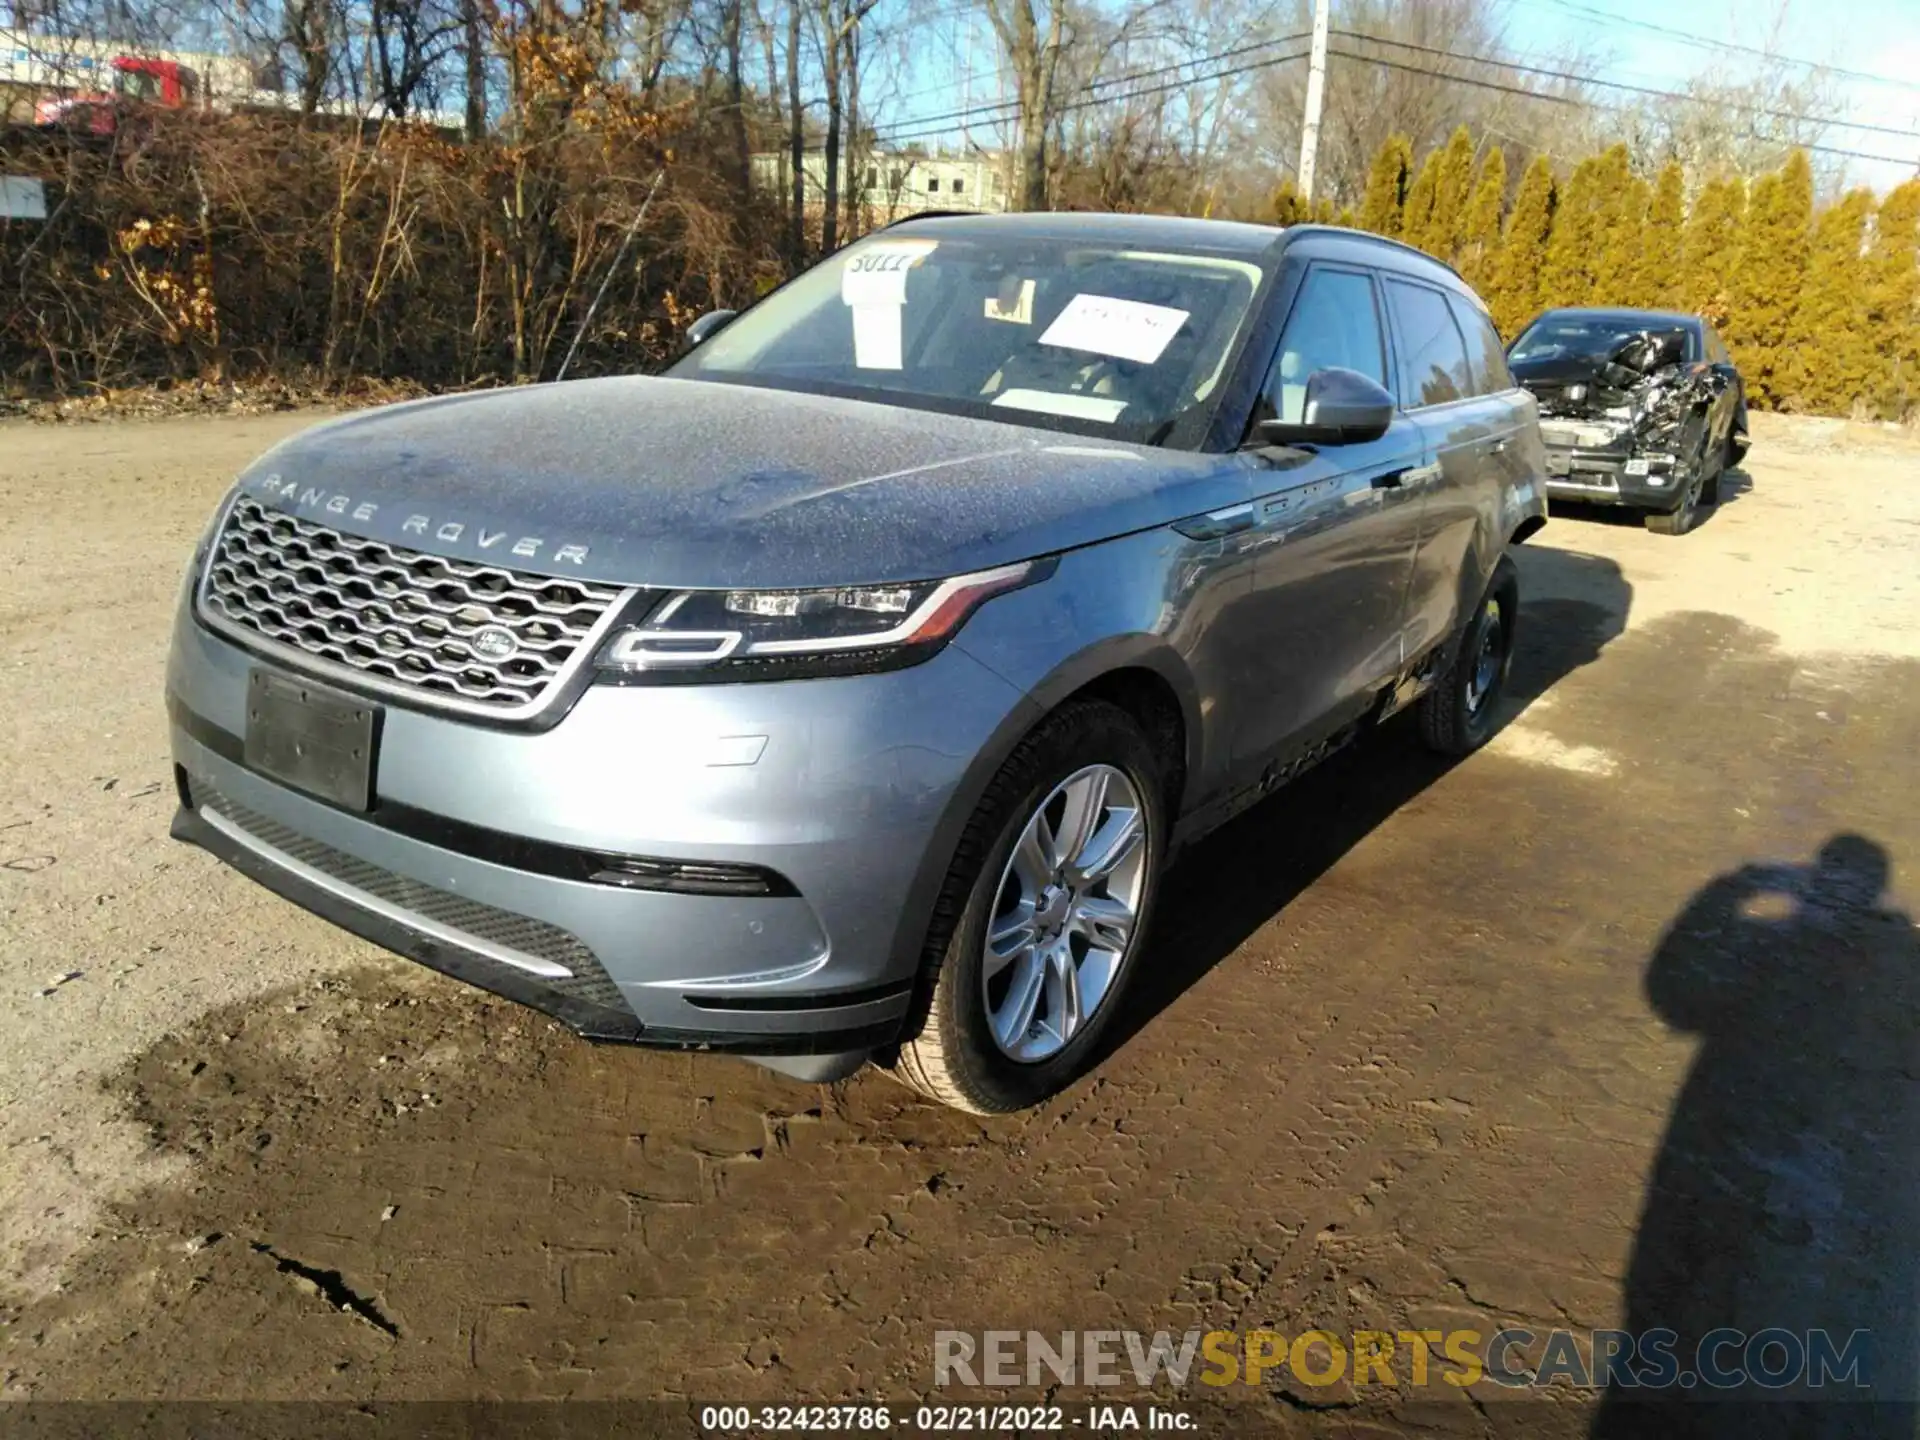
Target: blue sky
<point>1631,41</point>
<point>1875,37</point>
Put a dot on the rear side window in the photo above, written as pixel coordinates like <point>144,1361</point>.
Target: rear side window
<point>1334,323</point>
<point>1486,360</point>
<point>1433,354</point>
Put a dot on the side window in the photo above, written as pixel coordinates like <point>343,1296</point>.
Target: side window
<point>1716,347</point>
<point>1334,323</point>
<point>1433,358</point>
<point>1487,362</point>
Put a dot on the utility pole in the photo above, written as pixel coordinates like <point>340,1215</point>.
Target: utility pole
<point>1316,93</point>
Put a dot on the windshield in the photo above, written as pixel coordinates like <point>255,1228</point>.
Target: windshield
<point>1047,332</point>
<point>1583,337</point>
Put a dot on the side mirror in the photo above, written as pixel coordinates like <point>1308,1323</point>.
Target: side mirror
<point>1343,407</point>
<point>705,327</point>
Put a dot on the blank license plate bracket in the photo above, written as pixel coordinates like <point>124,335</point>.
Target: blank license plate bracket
<point>317,740</point>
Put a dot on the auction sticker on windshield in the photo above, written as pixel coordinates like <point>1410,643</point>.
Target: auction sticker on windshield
<point>874,286</point>
<point>1124,329</point>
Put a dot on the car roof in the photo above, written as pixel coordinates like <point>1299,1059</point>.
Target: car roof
<point>1624,315</point>
<point>1181,230</point>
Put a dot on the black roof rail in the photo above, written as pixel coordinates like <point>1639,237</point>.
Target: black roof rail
<point>935,215</point>
<point>1347,232</point>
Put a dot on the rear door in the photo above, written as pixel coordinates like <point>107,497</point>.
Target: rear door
<point>1334,532</point>
<point>1448,389</point>
<point>1726,405</point>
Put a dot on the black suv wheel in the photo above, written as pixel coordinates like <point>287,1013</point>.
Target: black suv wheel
<point>1457,714</point>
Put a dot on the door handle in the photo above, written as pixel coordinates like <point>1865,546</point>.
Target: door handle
<point>1500,445</point>
<point>1217,524</point>
<point>1408,478</point>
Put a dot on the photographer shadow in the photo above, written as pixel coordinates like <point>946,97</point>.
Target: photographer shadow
<point>1784,1194</point>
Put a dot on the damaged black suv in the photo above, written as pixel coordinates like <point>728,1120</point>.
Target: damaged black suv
<point>1637,407</point>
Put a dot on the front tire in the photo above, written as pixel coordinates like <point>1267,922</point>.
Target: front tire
<point>1036,933</point>
<point>1713,464</point>
<point>1738,441</point>
<point>1457,714</point>
<point>1677,521</point>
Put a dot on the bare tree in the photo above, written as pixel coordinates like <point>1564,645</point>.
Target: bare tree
<point>408,39</point>
<point>796,139</point>
<point>473,47</point>
<point>1032,35</point>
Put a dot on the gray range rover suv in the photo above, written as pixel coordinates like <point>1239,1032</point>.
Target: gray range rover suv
<point>842,693</point>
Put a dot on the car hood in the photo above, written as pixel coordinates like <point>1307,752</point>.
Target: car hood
<point>662,482</point>
<point>1561,370</point>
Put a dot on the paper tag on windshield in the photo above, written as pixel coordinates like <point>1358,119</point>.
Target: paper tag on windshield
<point>1124,329</point>
<point>876,337</point>
<point>873,284</point>
<point>878,274</point>
<point>1013,304</point>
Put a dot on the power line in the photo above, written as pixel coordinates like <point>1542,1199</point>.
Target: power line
<point>1180,84</point>
<point>1143,74</point>
<point>1707,42</point>
<point>1647,90</point>
<point>1549,99</point>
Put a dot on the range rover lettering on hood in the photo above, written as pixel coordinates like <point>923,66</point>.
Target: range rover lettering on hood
<point>314,500</point>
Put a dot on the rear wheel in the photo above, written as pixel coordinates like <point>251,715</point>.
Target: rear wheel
<point>1035,932</point>
<point>1457,714</point>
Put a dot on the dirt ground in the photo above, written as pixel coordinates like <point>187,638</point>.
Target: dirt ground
<point>1528,1040</point>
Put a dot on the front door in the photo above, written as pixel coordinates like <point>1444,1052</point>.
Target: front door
<point>1334,534</point>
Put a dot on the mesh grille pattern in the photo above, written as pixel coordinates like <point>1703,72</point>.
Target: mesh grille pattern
<point>519,933</point>
<point>481,634</point>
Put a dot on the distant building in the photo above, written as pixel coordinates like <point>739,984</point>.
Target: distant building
<point>894,185</point>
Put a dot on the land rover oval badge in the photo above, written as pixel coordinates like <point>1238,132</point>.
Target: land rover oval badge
<point>495,642</point>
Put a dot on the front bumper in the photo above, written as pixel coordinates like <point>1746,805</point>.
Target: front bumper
<point>848,789</point>
<point>1586,463</point>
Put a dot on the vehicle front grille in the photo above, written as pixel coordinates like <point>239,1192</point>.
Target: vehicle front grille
<point>495,929</point>
<point>478,635</point>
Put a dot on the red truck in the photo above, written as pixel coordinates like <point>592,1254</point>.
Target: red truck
<point>137,82</point>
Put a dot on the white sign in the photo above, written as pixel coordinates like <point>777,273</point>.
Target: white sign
<point>22,198</point>
<point>873,284</point>
<point>1125,329</point>
<point>1079,407</point>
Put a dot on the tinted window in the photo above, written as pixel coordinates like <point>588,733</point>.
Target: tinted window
<point>1433,356</point>
<point>1333,323</point>
<point>1487,360</point>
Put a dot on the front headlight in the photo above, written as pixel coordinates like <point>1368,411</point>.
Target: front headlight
<point>713,635</point>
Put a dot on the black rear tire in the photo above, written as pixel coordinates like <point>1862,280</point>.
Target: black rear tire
<point>1457,716</point>
<point>951,1054</point>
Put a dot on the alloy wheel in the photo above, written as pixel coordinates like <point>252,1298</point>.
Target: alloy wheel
<point>1065,913</point>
